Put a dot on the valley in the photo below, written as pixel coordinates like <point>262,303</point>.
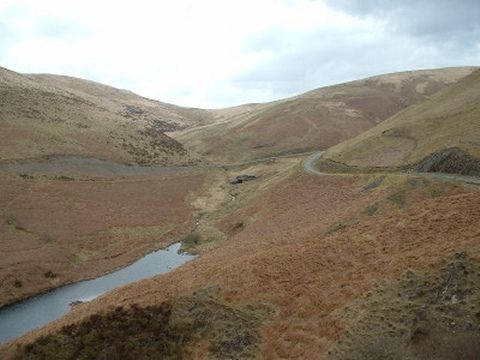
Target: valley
<point>358,220</point>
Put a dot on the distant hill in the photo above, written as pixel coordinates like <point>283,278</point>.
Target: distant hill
<point>441,133</point>
<point>317,119</point>
<point>43,115</point>
<point>57,115</point>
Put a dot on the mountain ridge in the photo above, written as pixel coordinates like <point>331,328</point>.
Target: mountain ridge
<point>319,118</point>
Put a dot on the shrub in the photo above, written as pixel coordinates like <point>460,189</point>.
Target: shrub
<point>371,209</point>
<point>50,274</point>
<point>134,333</point>
<point>190,241</point>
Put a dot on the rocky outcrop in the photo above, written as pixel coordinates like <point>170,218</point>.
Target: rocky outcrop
<point>243,178</point>
<point>449,161</point>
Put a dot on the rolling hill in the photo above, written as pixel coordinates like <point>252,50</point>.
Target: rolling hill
<point>42,115</point>
<point>290,264</point>
<point>317,119</point>
<point>438,134</point>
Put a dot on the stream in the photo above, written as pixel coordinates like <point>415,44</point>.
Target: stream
<point>34,312</point>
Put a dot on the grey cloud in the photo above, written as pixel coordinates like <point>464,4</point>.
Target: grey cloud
<point>317,58</point>
<point>418,34</point>
<point>434,20</point>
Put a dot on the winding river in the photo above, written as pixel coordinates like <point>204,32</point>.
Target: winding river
<point>29,314</point>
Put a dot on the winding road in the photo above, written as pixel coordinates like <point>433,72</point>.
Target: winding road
<point>309,166</point>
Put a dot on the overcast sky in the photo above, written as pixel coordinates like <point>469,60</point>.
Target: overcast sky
<point>216,53</point>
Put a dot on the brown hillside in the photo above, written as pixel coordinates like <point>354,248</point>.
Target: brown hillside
<point>315,120</point>
<point>308,250</point>
<point>46,114</point>
<point>83,227</point>
<point>439,134</point>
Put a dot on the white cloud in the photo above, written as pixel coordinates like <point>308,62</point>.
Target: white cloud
<point>207,53</point>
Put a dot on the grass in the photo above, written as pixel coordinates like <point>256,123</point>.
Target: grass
<point>55,116</point>
<point>423,315</point>
<point>449,119</point>
<point>134,333</point>
<point>398,198</point>
<point>12,220</point>
<point>336,113</point>
<point>164,331</point>
<point>463,346</point>
<point>375,183</point>
<point>371,209</point>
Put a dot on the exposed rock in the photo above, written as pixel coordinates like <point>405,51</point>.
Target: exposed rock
<point>243,178</point>
<point>449,161</point>
<point>75,303</point>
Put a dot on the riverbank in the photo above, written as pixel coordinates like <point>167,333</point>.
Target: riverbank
<point>29,314</point>
<point>57,231</point>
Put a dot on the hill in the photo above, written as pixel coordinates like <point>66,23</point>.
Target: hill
<point>441,133</point>
<point>314,265</point>
<point>290,264</point>
<point>44,115</point>
<point>317,119</point>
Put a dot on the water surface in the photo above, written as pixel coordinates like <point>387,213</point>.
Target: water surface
<point>21,317</point>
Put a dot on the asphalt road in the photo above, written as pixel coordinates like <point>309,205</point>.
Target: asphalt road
<point>309,166</point>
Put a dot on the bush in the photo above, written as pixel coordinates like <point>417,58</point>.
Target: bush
<point>156,332</point>
<point>190,241</point>
<point>134,333</point>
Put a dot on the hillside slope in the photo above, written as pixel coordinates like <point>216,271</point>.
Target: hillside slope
<point>317,119</point>
<point>285,283</point>
<point>44,115</point>
<point>439,134</point>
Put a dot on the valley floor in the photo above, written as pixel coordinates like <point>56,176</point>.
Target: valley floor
<point>298,263</point>
<point>63,221</point>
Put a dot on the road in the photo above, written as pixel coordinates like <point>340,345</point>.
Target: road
<point>309,166</point>
<point>309,163</point>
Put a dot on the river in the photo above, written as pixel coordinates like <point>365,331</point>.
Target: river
<point>34,312</point>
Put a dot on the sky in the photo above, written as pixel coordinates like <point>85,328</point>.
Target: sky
<point>219,53</point>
